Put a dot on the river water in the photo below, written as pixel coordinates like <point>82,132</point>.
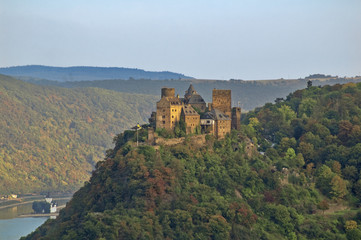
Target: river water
<point>12,227</point>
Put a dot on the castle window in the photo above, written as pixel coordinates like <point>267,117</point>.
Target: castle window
<point>163,122</point>
<point>163,116</point>
<point>172,116</point>
<point>172,110</point>
<point>172,122</point>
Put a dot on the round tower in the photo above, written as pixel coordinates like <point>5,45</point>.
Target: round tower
<point>168,92</point>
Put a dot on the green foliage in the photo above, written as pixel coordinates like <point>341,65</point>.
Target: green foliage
<point>320,126</point>
<point>224,190</point>
<point>41,207</point>
<point>51,138</point>
<point>180,128</point>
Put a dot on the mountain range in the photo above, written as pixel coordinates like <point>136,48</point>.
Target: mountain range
<point>246,94</point>
<point>83,73</point>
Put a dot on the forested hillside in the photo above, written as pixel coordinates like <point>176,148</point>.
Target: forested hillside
<point>323,125</point>
<point>50,137</point>
<point>248,94</point>
<point>306,168</point>
<point>83,73</point>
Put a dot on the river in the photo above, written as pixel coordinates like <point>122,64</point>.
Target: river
<point>12,227</point>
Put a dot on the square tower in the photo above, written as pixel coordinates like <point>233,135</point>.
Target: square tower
<point>222,100</point>
<point>236,118</point>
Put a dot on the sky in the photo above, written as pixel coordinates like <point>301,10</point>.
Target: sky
<point>206,39</point>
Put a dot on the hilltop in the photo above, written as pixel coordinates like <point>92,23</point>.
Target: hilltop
<point>51,137</point>
<point>83,73</point>
<point>273,179</point>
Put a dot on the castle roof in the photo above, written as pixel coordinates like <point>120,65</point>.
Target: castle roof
<point>196,98</point>
<point>192,97</point>
<point>189,111</point>
<point>216,114</point>
<point>191,90</point>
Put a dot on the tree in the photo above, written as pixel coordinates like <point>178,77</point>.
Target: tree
<point>309,83</point>
<point>323,205</point>
<point>350,224</point>
<point>287,113</point>
<point>336,167</point>
<point>41,207</point>
<point>354,234</point>
<point>357,189</point>
<point>338,187</point>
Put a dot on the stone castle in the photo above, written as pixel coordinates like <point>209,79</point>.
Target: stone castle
<point>218,118</point>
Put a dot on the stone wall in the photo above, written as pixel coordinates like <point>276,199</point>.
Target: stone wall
<point>236,118</point>
<point>222,100</point>
<point>192,122</point>
<point>222,128</point>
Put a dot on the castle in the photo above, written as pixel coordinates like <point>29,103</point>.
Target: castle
<point>218,118</point>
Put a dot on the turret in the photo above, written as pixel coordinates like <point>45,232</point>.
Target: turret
<point>168,92</point>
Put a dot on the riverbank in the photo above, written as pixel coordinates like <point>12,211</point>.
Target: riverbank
<point>24,207</point>
<point>22,201</point>
<point>39,215</point>
<point>42,214</point>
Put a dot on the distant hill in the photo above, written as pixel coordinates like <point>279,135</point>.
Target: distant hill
<point>81,73</point>
<point>51,137</point>
<point>248,94</point>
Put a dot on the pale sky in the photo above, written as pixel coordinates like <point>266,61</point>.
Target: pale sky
<point>214,39</point>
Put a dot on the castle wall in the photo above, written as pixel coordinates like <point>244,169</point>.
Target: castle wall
<point>207,126</point>
<point>163,115</point>
<point>175,114</point>
<point>222,128</point>
<point>168,113</point>
<point>222,100</point>
<point>236,118</point>
<point>191,123</point>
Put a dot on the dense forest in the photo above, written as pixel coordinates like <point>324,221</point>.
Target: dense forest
<point>291,172</point>
<point>83,73</point>
<point>247,94</point>
<point>51,138</point>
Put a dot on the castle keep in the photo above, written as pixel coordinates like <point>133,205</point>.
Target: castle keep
<point>218,119</point>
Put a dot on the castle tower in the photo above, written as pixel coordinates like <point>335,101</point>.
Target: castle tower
<point>168,92</point>
<point>236,118</point>
<point>169,109</point>
<point>222,100</point>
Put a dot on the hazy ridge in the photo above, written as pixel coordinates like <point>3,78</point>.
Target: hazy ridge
<point>84,73</point>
